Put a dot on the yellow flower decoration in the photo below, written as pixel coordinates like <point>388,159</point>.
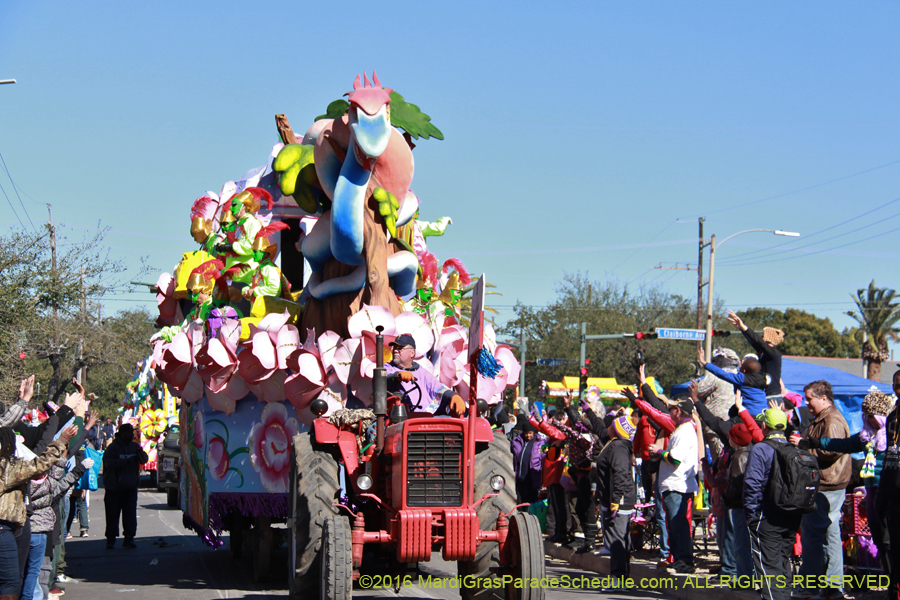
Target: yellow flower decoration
<point>153,423</point>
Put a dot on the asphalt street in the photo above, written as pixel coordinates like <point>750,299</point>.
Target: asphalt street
<point>172,563</point>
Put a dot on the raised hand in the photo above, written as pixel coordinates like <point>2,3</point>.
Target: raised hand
<point>68,433</point>
<point>701,356</point>
<point>736,321</point>
<point>629,394</point>
<point>93,416</point>
<point>695,393</point>
<point>738,400</point>
<point>26,389</point>
<point>642,373</point>
<point>87,463</point>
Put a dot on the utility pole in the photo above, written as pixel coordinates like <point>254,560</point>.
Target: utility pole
<point>82,372</point>
<point>702,245</point>
<point>522,360</point>
<point>55,351</point>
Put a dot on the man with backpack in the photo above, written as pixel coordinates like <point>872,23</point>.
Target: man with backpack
<point>820,532</point>
<point>780,483</point>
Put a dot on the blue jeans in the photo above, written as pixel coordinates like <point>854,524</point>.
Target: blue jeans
<point>743,559</point>
<point>10,577</point>
<point>820,534</point>
<point>33,567</point>
<point>659,515</point>
<point>681,541</point>
<point>725,540</point>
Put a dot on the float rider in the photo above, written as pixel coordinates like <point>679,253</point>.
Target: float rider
<point>241,225</point>
<point>421,390</point>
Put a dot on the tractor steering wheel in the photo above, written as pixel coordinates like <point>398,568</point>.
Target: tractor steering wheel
<point>406,399</point>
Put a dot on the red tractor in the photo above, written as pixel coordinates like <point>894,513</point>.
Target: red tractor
<point>424,484</point>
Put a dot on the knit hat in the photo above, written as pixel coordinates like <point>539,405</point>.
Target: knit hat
<point>772,336</point>
<point>740,435</point>
<point>775,419</point>
<point>625,427</point>
<point>528,427</point>
<point>877,403</point>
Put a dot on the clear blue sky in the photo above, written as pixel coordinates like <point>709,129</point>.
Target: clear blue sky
<point>573,130</point>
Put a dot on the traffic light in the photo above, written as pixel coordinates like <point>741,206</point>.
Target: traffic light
<point>646,335</point>
<point>582,385</point>
<point>720,333</point>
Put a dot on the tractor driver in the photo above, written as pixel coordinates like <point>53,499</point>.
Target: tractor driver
<point>422,391</point>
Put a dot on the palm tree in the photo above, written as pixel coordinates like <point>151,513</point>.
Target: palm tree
<point>877,314</point>
<point>465,304</point>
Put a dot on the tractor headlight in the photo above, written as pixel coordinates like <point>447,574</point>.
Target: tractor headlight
<point>364,482</point>
<point>497,483</point>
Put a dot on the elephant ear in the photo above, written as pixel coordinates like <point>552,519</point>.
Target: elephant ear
<point>416,325</point>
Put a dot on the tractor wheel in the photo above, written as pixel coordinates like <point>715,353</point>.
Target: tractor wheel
<point>495,459</point>
<point>172,497</point>
<point>527,557</point>
<point>336,560</point>
<point>315,487</point>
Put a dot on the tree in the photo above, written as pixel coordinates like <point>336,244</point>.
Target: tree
<point>877,313</point>
<point>49,311</point>
<point>805,333</point>
<point>607,308</point>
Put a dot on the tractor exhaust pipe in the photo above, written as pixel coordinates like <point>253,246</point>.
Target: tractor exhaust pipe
<point>379,390</point>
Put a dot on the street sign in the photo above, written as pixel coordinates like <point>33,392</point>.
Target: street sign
<point>695,335</point>
<point>551,362</point>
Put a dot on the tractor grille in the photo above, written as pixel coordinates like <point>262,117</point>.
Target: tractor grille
<point>434,469</point>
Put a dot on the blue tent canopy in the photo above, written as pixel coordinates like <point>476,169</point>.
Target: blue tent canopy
<point>849,390</point>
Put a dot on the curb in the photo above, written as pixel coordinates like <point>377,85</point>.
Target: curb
<point>697,587</point>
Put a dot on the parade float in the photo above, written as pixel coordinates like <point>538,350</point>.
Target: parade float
<point>270,325</point>
<point>149,408</point>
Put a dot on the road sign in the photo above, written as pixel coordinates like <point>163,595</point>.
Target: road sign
<point>551,362</point>
<point>695,335</point>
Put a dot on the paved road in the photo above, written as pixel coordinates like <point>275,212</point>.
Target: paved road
<point>173,563</point>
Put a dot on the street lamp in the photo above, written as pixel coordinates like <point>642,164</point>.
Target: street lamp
<point>2,81</point>
<point>712,270</point>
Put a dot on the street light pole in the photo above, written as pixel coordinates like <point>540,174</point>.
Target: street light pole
<point>712,267</point>
<point>709,297</point>
<point>2,81</point>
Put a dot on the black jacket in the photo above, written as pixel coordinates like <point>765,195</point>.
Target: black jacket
<point>616,481</point>
<point>122,466</point>
<point>769,358</point>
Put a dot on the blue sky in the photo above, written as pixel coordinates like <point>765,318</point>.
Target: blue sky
<point>574,130</point>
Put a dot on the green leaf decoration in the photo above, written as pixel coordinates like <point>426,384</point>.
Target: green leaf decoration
<point>335,110</point>
<point>411,119</point>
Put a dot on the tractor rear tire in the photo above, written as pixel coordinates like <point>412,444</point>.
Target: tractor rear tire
<point>527,557</point>
<point>495,459</point>
<point>315,487</point>
<point>336,561</point>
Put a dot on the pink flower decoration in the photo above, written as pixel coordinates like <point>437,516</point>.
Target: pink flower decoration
<point>169,307</point>
<point>176,367</point>
<point>199,431</point>
<point>217,458</point>
<point>270,389</point>
<point>270,343</point>
<point>308,378</point>
<point>270,451</point>
<point>226,400</point>
<point>218,357</point>
<point>333,394</point>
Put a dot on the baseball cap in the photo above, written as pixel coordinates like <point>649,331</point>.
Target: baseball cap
<point>774,419</point>
<point>404,340</point>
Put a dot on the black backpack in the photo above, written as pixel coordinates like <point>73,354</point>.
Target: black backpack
<point>795,479</point>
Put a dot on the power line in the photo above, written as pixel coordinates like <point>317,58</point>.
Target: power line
<point>8,201</point>
<point>806,237</point>
<point>804,189</point>
<point>5,168</point>
<point>759,262</point>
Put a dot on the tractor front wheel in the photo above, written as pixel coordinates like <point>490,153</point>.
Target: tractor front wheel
<point>494,459</point>
<point>526,558</point>
<point>336,560</point>
<point>315,488</point>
